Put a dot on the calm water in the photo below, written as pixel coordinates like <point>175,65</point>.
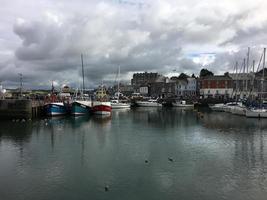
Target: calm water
<point>219,156</point>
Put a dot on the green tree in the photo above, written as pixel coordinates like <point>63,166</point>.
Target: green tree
<point>205,72</point>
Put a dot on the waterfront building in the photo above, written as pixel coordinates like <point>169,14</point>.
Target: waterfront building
<point>216,86</point>
<point>249,84</point>
<point>186,88</point>
<point>141,79</point>
<point>243,84</point>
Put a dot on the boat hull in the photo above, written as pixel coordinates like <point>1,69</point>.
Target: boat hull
<point>80,109</point>
<point>237,110</point>
<point>256,113</point>
<point>148,104</point>
<point>55,109</point>
<point>183,105</point>
<point>120,105</point>
<point>102,108</point>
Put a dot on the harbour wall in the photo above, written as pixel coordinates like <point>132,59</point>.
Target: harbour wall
<point>19,109</point>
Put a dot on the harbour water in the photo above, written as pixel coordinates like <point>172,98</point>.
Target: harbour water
<point>153,153</point>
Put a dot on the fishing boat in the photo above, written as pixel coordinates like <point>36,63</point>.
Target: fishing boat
<point>182,104</point>
<point>101,106</point>
<point>149,103</point>
<point>56,104</point>
<point>82,104</point>
<point>55,109</point>
<point>81,107</point>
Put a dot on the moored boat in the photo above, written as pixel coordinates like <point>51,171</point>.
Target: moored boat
<point>182,104</point>
<point>256,113</point>
<point>101,107</point>
<point>219,107</point>
<point>55,109</point>
<point>116,104</point>
<point>81,107</point>
<point>149,103</point>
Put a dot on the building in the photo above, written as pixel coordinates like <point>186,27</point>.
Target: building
<point>250,84</point>
<point>143,79</point>
<point>243,84</point>
<point>216,87</point>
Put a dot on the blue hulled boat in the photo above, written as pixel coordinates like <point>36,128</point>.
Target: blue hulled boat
<point>55,108</point>
<point>81,107</point>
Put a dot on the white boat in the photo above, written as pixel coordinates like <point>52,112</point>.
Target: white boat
<point>219,107</point>
<point>149,103</point>
<point>259,112</point>
<point>182,104</point>
<point>256,113</point>
<point>238,109</point>
<point>116,104</point>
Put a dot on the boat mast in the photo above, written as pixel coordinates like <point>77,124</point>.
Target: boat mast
<point>82,74</point>
<point>237,81</point>
<point>247,70</point>
<point>263,68</point>
<point>118,83</point>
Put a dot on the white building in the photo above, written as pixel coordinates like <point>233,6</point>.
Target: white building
<point>186,87</point>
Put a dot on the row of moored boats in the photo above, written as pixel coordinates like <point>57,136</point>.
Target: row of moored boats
<point>238,108</point>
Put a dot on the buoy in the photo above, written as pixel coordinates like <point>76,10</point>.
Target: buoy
<point>170,159</point>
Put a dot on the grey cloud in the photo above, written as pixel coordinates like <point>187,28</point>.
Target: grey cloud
<point>155,37</point>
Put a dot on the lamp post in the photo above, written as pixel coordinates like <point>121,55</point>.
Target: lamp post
<point>20,75</point>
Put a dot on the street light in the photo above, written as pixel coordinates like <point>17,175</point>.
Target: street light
<point>20,75</point>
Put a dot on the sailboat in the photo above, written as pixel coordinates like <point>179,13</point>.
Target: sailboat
<point>116,103</point>
<point>81,105</point>
<point>259,112</point>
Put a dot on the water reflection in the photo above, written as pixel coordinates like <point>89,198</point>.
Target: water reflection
<point>219,156</point>
<point>164,117</point>
<point>18,132</point>
<point>226,121</point>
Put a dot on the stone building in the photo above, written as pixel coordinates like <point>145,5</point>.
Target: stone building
<point>143,79</point>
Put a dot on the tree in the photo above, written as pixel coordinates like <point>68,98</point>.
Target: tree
<point>226,74</point>
<point>205,72</point>
<point>183,76</point>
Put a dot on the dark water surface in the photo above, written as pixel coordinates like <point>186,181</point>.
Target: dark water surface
<point>219,156</point>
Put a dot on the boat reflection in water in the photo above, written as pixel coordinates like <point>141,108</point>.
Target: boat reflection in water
<point>226,121</point>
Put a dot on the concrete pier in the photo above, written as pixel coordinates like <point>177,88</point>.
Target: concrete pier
<point>20,109</point>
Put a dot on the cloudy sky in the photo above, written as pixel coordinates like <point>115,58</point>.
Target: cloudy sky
<point>43,39</point>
